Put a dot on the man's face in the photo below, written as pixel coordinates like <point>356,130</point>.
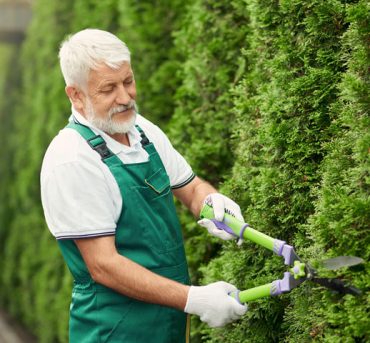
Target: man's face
<point>110,102</point>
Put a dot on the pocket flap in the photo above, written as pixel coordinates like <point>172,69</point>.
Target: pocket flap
<point>159,181</point>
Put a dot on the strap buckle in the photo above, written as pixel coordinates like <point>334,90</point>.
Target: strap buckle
<point>144,139</point>
<point>100,146</point>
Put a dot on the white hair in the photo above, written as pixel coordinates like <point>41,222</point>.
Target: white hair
<point>86,50</point>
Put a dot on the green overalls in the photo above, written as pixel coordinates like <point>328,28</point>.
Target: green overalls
<point>148,232</point>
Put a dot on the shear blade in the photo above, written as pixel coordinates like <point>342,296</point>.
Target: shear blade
<point>337,285</point>
<point>341,261</point>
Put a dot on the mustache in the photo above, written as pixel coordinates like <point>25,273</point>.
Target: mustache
<point>121,108</point>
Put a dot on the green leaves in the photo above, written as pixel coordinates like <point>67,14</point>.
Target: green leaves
<point>290,152</point>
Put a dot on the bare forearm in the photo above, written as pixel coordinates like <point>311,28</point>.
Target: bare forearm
<point>200,193</point>
<point>193,195</point>
<point>135,281</point>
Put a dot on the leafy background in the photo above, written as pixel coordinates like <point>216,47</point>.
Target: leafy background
<point>268,100</point>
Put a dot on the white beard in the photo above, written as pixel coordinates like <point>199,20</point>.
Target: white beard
<point>107,124</point>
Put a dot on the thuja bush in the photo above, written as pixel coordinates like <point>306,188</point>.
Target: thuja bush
<point>32,281</point>
<point>8,81</point>
<point>340,224</point>
<point>286,125</point>
<point>210,38</point>
<point>148,28</point>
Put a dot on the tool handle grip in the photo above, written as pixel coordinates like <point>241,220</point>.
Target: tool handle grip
<point>239,227</point>
<point>277,287</point>
<point>252,293</point>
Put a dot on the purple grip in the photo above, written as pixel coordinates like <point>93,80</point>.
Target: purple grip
<point>281,286</point>
<point>223,226</point>
<point>286,251</point>
<point>286,284</point>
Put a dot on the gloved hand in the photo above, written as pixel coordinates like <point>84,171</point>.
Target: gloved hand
<point>219,203</point>
<point>213,304</point>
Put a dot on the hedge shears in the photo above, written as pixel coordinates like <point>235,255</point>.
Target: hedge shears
<point>298,271</point>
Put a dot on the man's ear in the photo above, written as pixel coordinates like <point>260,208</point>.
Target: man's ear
<point>77,98</point>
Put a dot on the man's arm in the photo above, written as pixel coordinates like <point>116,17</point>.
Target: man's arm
<point>211,303</point>
<point>193,194</point>
<point>117,272</point>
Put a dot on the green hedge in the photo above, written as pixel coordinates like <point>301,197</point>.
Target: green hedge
<point>35,285</point>
<point>9,80</point>
<point>268,100</point>
<point>288,108</point>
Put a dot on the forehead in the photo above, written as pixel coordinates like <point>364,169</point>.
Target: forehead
<point>104,74</point>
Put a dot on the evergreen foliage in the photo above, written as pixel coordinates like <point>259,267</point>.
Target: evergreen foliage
<point>9,82</point>
<point>32,281</point>
<point>209,41</point>
<point>147,30</point>
<point>341,222</point>
<point>289,107</point>
<point>267,100</point>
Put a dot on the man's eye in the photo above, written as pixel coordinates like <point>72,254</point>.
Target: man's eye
<point>129,81</point>
<point>107,90</point>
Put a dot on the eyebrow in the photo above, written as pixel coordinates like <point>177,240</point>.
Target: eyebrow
<point>108,83</point>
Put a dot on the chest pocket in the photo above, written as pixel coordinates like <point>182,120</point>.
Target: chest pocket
<point>159,181</point>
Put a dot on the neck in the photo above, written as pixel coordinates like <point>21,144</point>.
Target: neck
<point>121,137</point>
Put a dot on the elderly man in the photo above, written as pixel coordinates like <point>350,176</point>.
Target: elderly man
<point>107,185</point>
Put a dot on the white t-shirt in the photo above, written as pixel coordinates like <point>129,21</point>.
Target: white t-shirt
<point>80,196</point>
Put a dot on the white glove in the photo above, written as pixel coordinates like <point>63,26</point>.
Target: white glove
<point>220,203</point>
<point>213,304</point>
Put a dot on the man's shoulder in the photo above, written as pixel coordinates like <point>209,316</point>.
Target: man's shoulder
<point>64,145</point>
<point>67,147</point>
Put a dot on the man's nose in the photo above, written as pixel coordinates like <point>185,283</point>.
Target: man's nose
<point>123,97</point>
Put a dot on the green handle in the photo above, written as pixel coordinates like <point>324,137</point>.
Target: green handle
<point>253,293</point>
<point>237,225</point>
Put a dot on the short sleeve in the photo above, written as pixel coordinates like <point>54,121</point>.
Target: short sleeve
<point>77,201</point>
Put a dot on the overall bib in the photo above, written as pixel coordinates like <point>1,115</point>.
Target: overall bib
<point>148,232</point>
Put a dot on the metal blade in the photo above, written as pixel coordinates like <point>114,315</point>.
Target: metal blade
<point>341,261</point>
<point>337,285</point>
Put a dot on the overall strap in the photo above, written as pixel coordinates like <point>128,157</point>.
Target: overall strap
<point>146,143</point>
<point>96,142</point>
<point>144,139</point>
